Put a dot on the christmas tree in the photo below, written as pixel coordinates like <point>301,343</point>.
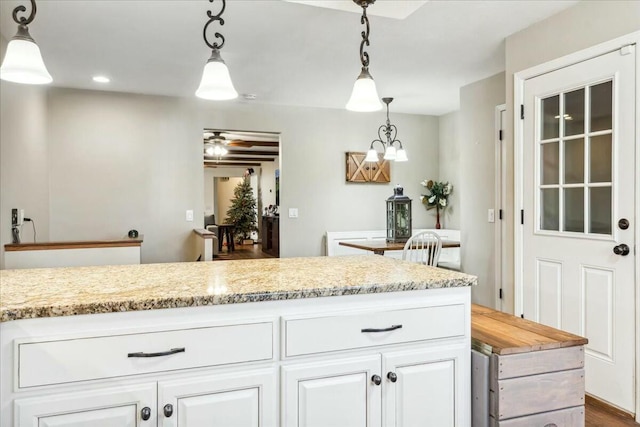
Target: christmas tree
<point>242,212</point>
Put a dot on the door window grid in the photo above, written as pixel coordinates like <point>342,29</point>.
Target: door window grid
<point>553,188</point>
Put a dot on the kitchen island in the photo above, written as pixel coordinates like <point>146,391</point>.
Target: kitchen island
<point>349,341</point>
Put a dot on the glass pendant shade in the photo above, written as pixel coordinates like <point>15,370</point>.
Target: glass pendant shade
<point>23,62</point>
<point>372,156</point>
<point>364,97</point>
<point>401,156</point>
<point>216,82</point>
<point>390,153</point>
<point>209,151</point>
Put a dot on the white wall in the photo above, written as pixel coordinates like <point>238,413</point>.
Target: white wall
<point>449,163</point>
<point>586,24</point>
<point>476,191</point>
<point>23,159</point>
<point>268,182</point>
<point>121,161</point>
<point>209,191</point>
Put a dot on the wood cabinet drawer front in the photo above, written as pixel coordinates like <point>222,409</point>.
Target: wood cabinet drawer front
<point>63,361</point>
<point>537,362</point>
<point>572,417</point>
<point>344,332</point>
<point>522,396</point>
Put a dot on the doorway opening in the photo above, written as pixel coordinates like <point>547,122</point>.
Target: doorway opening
<point>241,186</point>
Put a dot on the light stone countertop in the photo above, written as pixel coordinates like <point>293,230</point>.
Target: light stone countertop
<point>52,292</point>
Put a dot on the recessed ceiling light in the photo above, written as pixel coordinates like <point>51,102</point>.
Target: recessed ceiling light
<point>101,79</point>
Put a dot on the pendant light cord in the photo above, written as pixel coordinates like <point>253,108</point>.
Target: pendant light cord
<point>364,20</point>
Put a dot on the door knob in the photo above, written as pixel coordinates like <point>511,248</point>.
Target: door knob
<point>145,413</point>
<point>621,249</point>
<point>168,410</point>
<point>392,377</point>
<point>376,379</point>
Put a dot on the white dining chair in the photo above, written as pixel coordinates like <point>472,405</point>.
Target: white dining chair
<point>423,247</point>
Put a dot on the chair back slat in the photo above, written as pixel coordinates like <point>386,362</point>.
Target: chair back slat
<point>423,247</point>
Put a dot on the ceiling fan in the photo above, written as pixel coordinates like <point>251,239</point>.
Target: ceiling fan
<point>216,137</point>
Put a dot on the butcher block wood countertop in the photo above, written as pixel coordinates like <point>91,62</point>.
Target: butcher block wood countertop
<point>501,333</point>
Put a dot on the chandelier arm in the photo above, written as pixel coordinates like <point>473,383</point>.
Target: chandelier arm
<point>394,129</point>
<point>364,20</point>
<point>214,18</point>
<point>381,143</point>
<point>382,130</point>
<point>21,9</point>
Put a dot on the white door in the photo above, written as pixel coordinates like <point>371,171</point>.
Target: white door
<point>578,191</point>
<point>333,393</point>
<point>419,388</point>
<point>122,407</point>
<point>246,399</point>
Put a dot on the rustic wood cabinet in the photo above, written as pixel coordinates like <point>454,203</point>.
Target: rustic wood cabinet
<point>271,235</point>
<point>360,171</point>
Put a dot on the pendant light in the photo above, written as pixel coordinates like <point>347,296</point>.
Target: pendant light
<point>23,62</point>
<point>216,82</point>
<point>364,96</point>
<point>388,142</point>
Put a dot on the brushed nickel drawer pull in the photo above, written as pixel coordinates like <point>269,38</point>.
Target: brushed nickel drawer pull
<point>163,353</point>
<point>390,328</point>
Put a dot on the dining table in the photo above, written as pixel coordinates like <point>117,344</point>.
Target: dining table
<point>378,247</point>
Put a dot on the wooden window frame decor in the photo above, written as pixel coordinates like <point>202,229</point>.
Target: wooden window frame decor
<point>360,171</point>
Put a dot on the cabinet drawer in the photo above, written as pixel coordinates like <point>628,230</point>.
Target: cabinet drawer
<point>344,332</point>
<point>522,396</point>
<point>69,360</point>
<point>572,417</point>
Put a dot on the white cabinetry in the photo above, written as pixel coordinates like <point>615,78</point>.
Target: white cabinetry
<point>332,393</point>
<point>317,362</point>
<point>122,407</point>
<point>247,399</point>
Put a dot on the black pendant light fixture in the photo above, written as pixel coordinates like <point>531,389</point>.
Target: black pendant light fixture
<point>364,96</point>
<point>23,62</point>
<point>216,82</point>
<point>387,138</point>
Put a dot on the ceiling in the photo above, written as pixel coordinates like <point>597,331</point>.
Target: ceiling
<point>286,53</point>
<point>244,148</point>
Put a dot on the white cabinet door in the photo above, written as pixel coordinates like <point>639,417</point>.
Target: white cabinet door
<point>244,399</point>
<point>121,407</point>
<point>426,388</point>
<point>337,393</point>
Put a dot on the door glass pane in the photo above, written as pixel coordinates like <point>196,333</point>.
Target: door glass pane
<point>550,117</point>
<point>574,161</point>
<point>574,112</point>
<point>550,163</point>
<point>600,163</point>
<point>574,209</point>
<point>549,217</point>
<point>600,210</point>
<point>601,106</point>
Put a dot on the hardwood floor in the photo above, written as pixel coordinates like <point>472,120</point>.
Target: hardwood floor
<point>599,414</point>
<point>242,252</point>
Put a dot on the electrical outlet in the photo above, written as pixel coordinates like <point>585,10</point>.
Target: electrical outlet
<point>293,212</point>
<point>189,215</point>
<point>491,215</point>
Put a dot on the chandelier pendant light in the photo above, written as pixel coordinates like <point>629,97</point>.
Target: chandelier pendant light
<point>216,82</point>
<point>364,97</point>
<point>387,138</point>
<point>23,62</point>
<point>215,145</point>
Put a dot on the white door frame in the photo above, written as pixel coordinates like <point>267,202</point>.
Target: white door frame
<point>518,139</point>
<point>500,198</point>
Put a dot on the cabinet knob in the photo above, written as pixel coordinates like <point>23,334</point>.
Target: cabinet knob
<point>392,377</point>
<point>145,413</point>
<point>168,410</point>
<point>376,379</point>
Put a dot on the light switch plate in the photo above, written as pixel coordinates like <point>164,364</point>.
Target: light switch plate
<point>491,215</point>
<point>293,212</point>
<point>189,215</point>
